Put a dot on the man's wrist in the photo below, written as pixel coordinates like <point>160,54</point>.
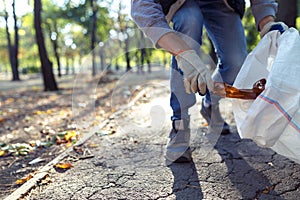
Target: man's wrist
<point>179,52</point>
<point>173,44</point>
<point>264,21</point>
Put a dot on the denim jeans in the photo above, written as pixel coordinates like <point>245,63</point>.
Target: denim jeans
<point>226,32</point>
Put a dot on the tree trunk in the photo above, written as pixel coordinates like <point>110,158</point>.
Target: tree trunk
<point>117,64</point>
<point>12,49</point>
<point>127,58</point>
<point>287,12</point>
<point>15,64</point>
<point>93,37</point>
<point>47,69</point>
<point>9,46</point>
<point>55,48</point>
<point>143,56</point>
<point>55,45</point>
<point>128,67</point>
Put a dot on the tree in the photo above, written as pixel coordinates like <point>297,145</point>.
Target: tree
<point>52,20</point>
<point>123,25</point>
<point>47,69</point>
<point>28,50</point>
<point>93,34</point>
<point>12,48</point>
<point>95,25</point>
<point>54,40</point>
<point>145,53</point>
<point>287,12</point>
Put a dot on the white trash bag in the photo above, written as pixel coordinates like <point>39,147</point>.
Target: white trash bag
<point>273,118</point>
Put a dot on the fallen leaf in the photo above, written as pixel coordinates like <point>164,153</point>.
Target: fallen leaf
<point>93,145</point>
<point>66,165</point>
<point>78,150</point>
<point>18,148</point>
<point>38,112</point>
<point>9,100</point>
<point>2,119</point>
<point>69,144</point>
<point>2,153</point>
<point>24,179</point>
<point>58,140</point>
<point>70,135</point>
<point>267,190</point>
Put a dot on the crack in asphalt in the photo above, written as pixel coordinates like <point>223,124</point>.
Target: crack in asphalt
<point>291,190</point>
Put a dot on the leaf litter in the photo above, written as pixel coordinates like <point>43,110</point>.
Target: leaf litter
<point>37,126</point>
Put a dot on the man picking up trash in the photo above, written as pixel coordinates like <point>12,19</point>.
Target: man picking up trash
<point>189,75</point>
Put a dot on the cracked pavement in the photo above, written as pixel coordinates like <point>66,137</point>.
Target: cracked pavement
<point>130,165</point>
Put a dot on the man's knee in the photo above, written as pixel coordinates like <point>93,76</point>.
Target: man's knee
<point>182,101</point>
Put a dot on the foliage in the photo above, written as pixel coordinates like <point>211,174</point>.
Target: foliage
<point>28,52</point>
<point>32,69</point>
<point>251,32</point>
<point>68,23</point>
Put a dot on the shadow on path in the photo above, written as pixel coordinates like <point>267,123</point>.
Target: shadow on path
<point>186,183</point>
<point>249,182</point>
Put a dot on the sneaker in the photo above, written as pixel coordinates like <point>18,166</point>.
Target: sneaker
<point>178,150</point>
<point>206,114</point>
<point>186,157</point>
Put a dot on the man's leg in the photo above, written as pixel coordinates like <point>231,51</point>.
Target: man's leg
<point>227,34</point>
<point>188,21</point>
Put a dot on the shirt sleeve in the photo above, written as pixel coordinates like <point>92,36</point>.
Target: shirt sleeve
<point>263,8</point>
<point>149,16</point>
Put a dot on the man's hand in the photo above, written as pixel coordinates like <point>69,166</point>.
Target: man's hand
<point>272,26</point>
<point>195,73</point>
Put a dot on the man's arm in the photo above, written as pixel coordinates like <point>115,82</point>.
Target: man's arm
<point>264,21</point>
<point>196,75</point>
<point>173,44</point>
<point>263,11</point>
<point>149,17</point>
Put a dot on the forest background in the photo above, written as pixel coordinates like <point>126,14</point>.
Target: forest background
<point>54,37</point>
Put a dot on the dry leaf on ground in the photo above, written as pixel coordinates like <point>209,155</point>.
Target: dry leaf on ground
<point>24,179</point>
<point>66,165</point>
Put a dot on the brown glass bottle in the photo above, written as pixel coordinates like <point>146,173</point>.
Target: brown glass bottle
<point>232,92</point>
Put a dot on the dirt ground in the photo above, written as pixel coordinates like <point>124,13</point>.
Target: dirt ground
<point>34,124</point>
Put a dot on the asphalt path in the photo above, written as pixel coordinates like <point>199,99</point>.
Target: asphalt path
<point>130,163</point>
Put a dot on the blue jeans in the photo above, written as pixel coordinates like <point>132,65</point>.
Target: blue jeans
<point>226,32</point>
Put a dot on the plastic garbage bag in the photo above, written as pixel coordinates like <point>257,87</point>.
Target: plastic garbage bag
<point>273,118</point>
